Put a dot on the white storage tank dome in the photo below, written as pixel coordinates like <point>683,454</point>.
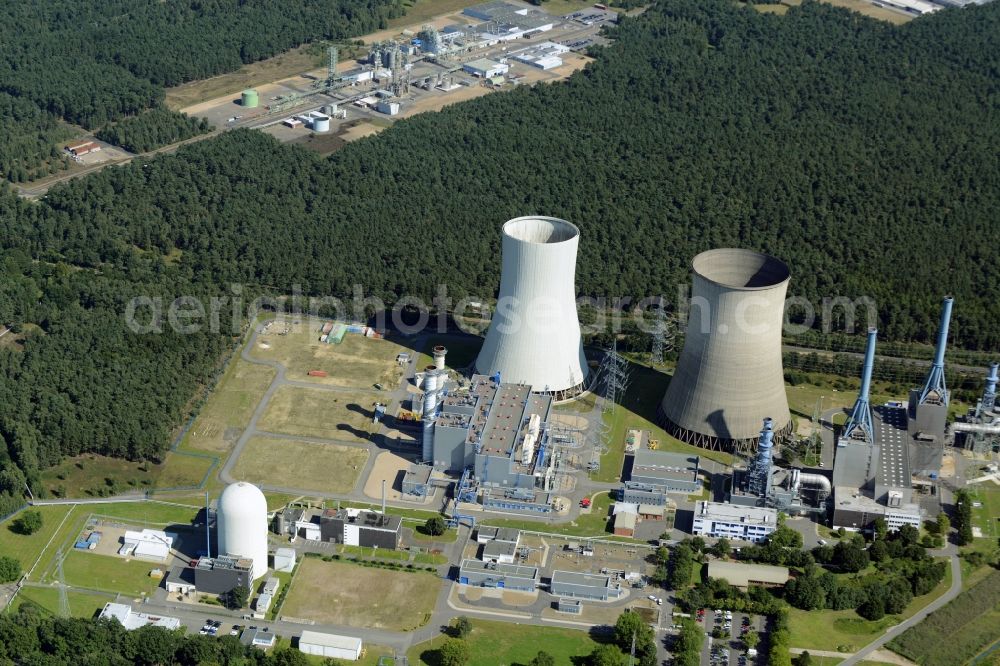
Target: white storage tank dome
<point>242,524</point>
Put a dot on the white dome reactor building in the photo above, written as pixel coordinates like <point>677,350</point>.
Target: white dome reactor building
<point>729,375</point>
<point>241,523</point>
<point>534,337</point>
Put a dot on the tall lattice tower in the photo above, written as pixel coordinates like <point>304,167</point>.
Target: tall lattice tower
<point>663,336</point>
<point>331,66</point>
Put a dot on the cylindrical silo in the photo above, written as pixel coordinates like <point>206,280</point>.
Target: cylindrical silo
<point>321,124</point>
<point>534,337</point>
<point>249,99</point>
<point>242,524</point>
<point>729,375</point>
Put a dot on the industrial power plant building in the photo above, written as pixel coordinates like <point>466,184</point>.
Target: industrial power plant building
<point>745,523</point>
<point>657,473</point>
<point>576,585</point>
<point>498,433</point>
<point>356,527</point>
<point>220,575</point>
<point>729,375</point>
<point>534,337</point>
<point>494,574</point>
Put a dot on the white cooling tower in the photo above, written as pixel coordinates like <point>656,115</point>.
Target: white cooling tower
<point>534,337</point>
<point>729,375</point>
<point>242,524</point>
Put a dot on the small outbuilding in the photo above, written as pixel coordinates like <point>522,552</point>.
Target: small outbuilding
<point>625,524</point>
<point>284,559</point>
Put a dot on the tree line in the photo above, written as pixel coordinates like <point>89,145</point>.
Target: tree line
<point>29,637</point>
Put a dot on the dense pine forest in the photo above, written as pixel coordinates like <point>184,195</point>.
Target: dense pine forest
<point>865,155</point>
<point>152,129</point>
<point>91,63</point>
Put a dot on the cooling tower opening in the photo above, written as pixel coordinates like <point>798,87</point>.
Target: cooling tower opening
<point>736,268</point>
<point>540,230</point>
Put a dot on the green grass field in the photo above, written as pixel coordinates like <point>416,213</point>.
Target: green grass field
<point>151,512</point>
<point>593,524</point>
<point>229,408</point>
<point>307,465</point>
<point>81,604</point>
<point>180,470</point>
<point>344,416</point>
<point>449,535</point>
<point>987,516</point>
<point>833,630</point>
<point>91,475</point>
<point>363,596</point>
<point>495,643</point>
<point>27,549</point>
<point>109,574</point>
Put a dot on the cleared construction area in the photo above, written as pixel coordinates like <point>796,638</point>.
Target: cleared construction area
<point>353,362</point>
<point>297,464</point>
<point>361,596</point>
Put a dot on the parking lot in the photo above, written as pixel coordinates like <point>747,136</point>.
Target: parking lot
<point>730,651</point>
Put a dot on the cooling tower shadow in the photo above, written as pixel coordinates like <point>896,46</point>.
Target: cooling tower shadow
<point>717,421</point>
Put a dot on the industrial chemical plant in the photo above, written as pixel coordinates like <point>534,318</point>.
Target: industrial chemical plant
<point>488,47</point>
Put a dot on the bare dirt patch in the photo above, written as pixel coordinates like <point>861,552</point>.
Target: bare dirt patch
<point>357,596</point>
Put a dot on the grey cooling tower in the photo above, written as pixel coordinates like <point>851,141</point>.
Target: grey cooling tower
<point>729,376</point>
<point>534,337</point>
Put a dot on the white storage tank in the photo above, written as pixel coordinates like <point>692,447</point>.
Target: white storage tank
<point>321,123</point>
<point>242,524</point>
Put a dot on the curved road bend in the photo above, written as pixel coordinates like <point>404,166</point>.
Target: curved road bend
<point>953,591</point>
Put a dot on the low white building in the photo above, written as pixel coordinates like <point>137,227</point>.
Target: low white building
<point>284,559</point>
<point>330,645</point>
<point>147,544</point>
<point>746,523</point>
<point>131,620</point>
<point>485,69</point>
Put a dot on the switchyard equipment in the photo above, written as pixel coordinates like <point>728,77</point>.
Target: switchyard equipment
<point>860,425</point>
<point>928,407</point>
<point>534,338</point>
<point>729,374</point>
<point>242,525</point>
